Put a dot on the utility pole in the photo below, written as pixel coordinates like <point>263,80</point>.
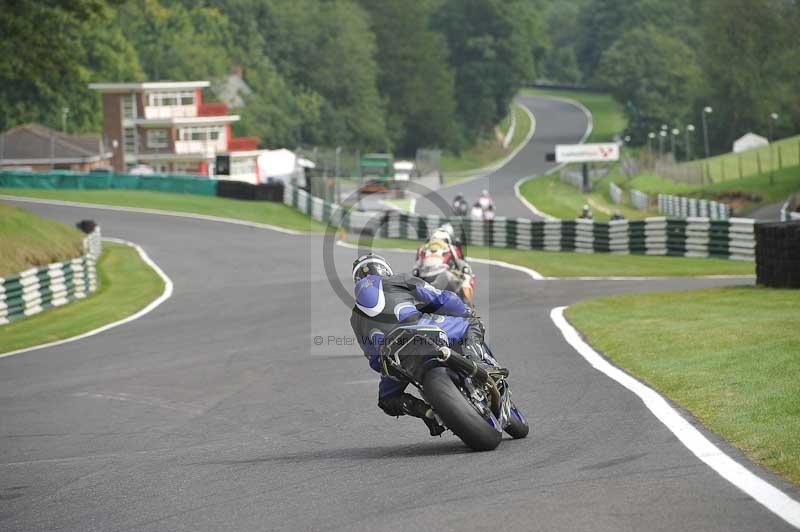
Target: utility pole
<point>675,133</point>
<point>772,118</point>
<point>706,111</point>
<point>64,113</point>
<point>689,130</point>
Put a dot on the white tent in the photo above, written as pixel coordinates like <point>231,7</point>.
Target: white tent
<point>283,165</point>
<point>748,142</point>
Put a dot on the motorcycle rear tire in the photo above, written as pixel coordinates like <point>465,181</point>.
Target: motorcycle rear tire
<point>458,414</point>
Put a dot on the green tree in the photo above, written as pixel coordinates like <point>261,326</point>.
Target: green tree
<point>177,43</point>
<point>48,55</point>
<point>560,63</point>
<point>274,112</point>
<point>602,22</point>
<point>327,48</point>
<point>750,58</point>
<point>490,52</point>
<point>655,75</point>
<point>414,77</point>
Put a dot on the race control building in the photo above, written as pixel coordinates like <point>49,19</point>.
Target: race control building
<point>167,126</point>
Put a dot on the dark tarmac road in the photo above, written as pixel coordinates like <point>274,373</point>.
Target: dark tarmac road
<point>217,411</point>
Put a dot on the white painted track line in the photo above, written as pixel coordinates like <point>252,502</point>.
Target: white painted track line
<point>166,294</point>
<point>762,491</point>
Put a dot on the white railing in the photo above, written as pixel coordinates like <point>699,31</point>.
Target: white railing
<point>169,111</point>
<point>200,146</point>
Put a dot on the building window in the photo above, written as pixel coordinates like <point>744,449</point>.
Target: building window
<point>200,133</point>
<point>128,107</point>
<point>157,138</point>
<point>159,99</point>
<point>129,140</point>
<point>243,166</point>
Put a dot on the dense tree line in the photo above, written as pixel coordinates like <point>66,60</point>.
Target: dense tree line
<point>666,61</point>
<point>373,74</point>
<point>398,75</point>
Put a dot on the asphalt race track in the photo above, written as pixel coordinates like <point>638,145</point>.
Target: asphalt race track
<point>557,122</point>
<point>217,411</point>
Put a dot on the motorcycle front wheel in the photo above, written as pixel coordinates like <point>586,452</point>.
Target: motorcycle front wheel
<point>458,413</point>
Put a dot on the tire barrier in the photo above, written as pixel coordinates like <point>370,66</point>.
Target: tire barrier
<point>778,254</point>
<point>248,191</point>
<point>680,237</point>
<point>34,290</point>
<point>682,206</point>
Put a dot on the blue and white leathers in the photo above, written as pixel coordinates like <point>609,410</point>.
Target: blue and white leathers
<point>383,303</point>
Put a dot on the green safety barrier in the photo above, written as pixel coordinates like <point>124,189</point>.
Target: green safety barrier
<point>61,180</point>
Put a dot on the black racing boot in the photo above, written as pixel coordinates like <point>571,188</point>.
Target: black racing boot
<point>419,408</point>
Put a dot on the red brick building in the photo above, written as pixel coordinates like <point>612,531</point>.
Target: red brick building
<point>167,126</point>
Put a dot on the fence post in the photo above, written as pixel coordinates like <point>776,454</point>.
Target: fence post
<point>741,172</point>
<point>758,161</point>
<point>780,158</point>
<point>722,168</point>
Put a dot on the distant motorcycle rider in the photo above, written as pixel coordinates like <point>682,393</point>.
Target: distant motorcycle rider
<point>385,301</point>
<point>442,254</point>
<point>460,206</point>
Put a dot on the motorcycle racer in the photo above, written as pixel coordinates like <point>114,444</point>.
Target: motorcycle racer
<point>441,255</point>
<point>385,301</point>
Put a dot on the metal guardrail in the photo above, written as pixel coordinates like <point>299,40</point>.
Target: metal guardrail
<point>640,200</point>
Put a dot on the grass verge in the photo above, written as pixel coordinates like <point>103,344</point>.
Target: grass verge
<point>728,355</point>
<point>27,240</point>
<point>486,151</point>
<point>254,211</point>
<point>569,264</point>
<point>786,182</point>
<point>783,153</point>
<point>564,201</point>
<point>127,285</point>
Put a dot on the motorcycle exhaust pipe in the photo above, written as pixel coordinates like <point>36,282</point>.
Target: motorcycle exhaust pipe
<point>458,362</point>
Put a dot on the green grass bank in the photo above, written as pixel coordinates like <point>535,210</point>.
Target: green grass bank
<point>126,285</point>
<point>731,356</point>
<point>27,240</point>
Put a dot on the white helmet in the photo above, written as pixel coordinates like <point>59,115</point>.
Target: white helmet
<point>370,264</point>
<point>441,234</point>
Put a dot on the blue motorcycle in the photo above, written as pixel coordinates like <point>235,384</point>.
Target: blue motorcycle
<point>470,398</point>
